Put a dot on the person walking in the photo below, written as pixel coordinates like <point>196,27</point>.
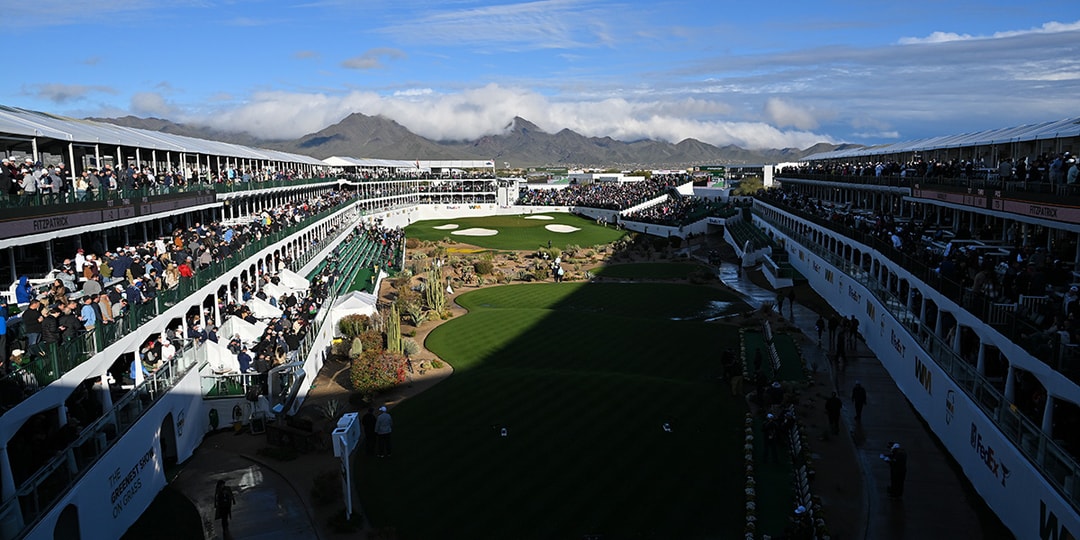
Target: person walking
<point>384,425</point>
<point>858,398</point>
<point>771,429</point>
<point>820,326</point>
<point>834,324</point>
<point>833,405</point>
<point>791,303</point>
<point>780,304</point>
<point>223,503</point>
<point>897,460</point>
<point>368,422</point>
<point>853,331</point>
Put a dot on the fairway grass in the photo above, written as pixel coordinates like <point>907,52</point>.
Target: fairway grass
<point>583,377</point>
<point>518,232</point>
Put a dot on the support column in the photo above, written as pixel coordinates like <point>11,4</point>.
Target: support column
<point>106,395</point>
<point>980,363</point>
<point>7,481</point>
<point>1010,385</point>
<point>1048,416</point>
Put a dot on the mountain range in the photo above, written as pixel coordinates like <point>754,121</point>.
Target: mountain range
<point>522,144</point>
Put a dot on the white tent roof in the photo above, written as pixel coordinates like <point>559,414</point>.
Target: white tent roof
<point>293,280</point>
<point>262,309</point>
<point>276,291</point>
<point>249,333</point>
<point>219,358</point>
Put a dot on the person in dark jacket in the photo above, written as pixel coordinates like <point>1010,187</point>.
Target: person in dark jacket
<point>50,327</point>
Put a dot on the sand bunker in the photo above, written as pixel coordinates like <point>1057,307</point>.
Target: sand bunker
<point>561,228</point>
<point>446,227</point>
<point>476,232</point>
<point>539,217</point>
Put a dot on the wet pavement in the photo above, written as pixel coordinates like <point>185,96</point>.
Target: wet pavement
<point>938,502</point>
<point>269,505</point>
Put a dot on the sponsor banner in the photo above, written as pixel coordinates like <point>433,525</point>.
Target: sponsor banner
<point>1053,212</point>
<point>966,199</point>
<point>37,225</point>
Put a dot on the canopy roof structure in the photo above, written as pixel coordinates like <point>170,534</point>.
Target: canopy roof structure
<point>1069,127</point>
<point>32,124</point>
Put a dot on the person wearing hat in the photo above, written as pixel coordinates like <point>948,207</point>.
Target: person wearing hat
<point>773,435</point>
<point>800,527</point>
<point>1073,172</point>
<point>897,460</point>
<point>384,425</point>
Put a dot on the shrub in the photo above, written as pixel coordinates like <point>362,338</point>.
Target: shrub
<point>357,347</point>
<point>409,347</point>
<point>436,364</point>
<point>372,340</point>
<point>377,371</point>
<point>483,267</point>
<point>411,243</point>
<point>351,326</point>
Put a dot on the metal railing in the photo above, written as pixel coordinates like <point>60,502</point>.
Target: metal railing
<point>1057,466</point>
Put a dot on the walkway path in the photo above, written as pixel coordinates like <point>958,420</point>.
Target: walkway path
<point>938,500</point>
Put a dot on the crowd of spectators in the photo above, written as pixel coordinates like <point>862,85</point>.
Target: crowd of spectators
<point>1053,168</point>
<point>93,288</point>
<point>677,211</point>
<point>605,195</point>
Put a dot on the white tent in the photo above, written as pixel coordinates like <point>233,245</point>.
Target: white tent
<point>219,358</point>
<point>262,309</point>
<point>276,291</point>
<point>292,280</point>
<point>249,333</point>
<point>354,303</point>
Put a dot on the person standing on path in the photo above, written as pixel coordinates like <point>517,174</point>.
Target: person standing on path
<point>780,304</point>
<point>853,331</point>
<point>897,460</point>
<point>771,429</point>
<point>832,410</point>
<point>820,326</point>
<point>791,303</point>
<point>223,503</point>
<point>384,425</point>
<point>368,423</point>
<point>834,324</point>
<point>858,398</point>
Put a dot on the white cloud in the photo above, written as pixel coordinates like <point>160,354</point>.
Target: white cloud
<point>64,93</point>
<point>944,37</point>
<point>151,104</point>
<point>488,110</point>
<point>542,24</point>
<point>784,113</point>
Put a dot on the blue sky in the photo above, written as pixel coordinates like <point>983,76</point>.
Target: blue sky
<point>754,74</point>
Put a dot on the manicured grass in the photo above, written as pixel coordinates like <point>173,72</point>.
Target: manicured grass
<point>583,377</point>
<point>791,366</point>
<point>651,270</point>
<point>518,232</point>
